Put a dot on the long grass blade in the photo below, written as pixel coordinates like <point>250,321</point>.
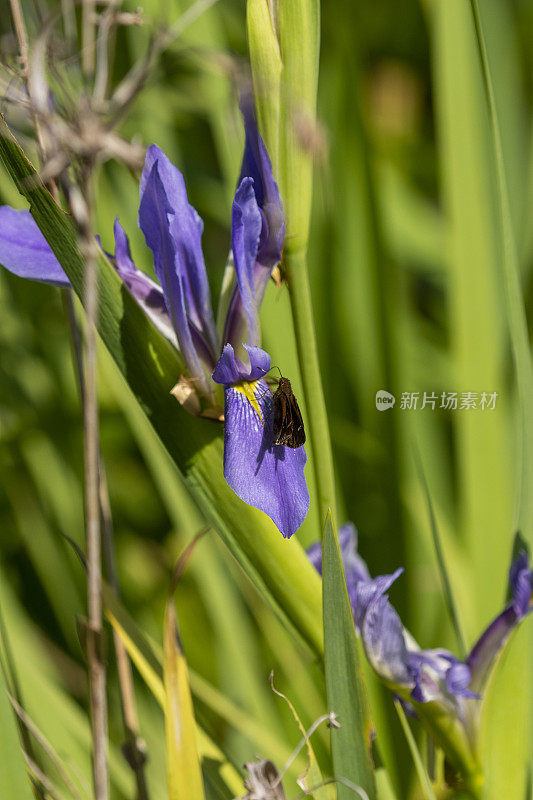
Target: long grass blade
<point>517,703</point>
<point>446,585</point>
<point>183,762</point>
<point>516,316</point>
<point>14,781</point>
<point>423,777</point>
<point>346,691</point>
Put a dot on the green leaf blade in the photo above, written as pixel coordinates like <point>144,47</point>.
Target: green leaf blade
<point>423,777</point>
<point>345,688</point>
<point>183,761</point>
<point>14,781</point>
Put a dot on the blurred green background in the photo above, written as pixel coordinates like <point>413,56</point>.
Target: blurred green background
<point>407,293</point>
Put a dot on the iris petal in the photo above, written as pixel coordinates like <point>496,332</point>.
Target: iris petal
<point>155,213</point>
<point>268,476</point>
<point>147,292</point>
<point>256,164</point>
<point>383,639</point>
<point>256,167</point>
<point>485,652</point>
<point>185,227</point>
<point>245,231</point>
<point>24,251</point>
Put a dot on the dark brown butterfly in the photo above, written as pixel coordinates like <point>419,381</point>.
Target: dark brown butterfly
<point>288,426</point>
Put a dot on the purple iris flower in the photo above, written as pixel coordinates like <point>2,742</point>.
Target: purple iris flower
<point>490,644</point>
<point>267,476</point>
<point>252,462</point>
<point>425,676</point>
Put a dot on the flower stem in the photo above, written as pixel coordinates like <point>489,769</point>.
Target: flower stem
<point>295,268</point>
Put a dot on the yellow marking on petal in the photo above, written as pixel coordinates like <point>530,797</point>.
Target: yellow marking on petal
<point>247,388</point>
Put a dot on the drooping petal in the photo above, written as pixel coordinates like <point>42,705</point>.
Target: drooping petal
<point>230,369</point>
<point>147,292</point>
<point>381,630</point>
<point>24,251</point>
<point>186,228</point>
<point>439,676</point>
<point>370,591</point>
<point>155,214</point>
<point>259,362</point>
<point>268,476</point>
<point>245,232</point>
<point>483,656</point>
<point>227,369</point>
<point>458,680</point>
<point>256,166</point>
<point>383,640</point>
<point>123,257</point>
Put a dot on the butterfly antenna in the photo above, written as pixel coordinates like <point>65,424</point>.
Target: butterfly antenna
<point>266,371</point>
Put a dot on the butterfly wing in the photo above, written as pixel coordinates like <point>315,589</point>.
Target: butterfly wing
<point>279,406</point>
<point>297,430</point>
<point>288,426</point>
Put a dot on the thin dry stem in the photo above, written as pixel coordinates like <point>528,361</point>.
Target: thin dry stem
<point>22,39</point>
<point>107,24</point>
<point>135,748</point>
<point>88,37</point>
<point>80,206</point>
<point>102,47</point>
